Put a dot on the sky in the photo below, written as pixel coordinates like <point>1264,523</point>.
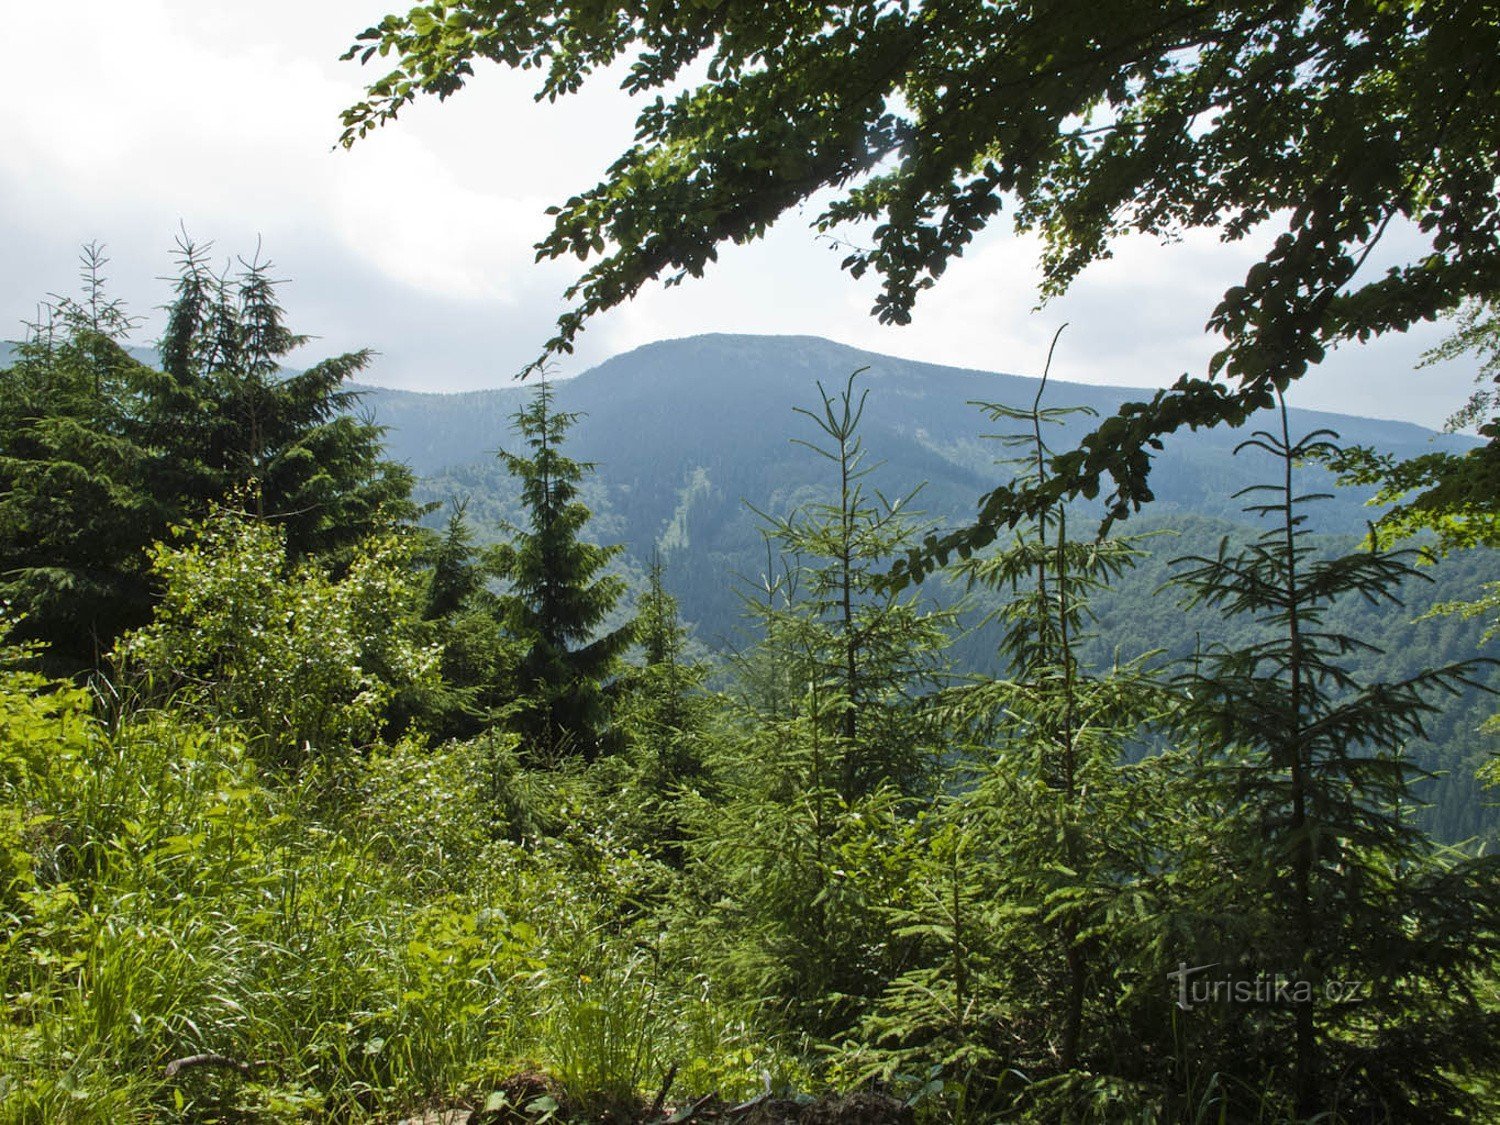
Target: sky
<point>131,123</point>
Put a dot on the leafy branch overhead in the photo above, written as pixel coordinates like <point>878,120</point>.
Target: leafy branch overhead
<point>1456,497</point>
<point>1328,122</point>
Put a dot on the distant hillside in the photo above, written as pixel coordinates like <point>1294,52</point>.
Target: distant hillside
<point>708,422</point>
<point>687,433</point>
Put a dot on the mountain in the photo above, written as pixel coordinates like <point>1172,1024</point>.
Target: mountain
<point>688,434</point>
<point>657,415</point>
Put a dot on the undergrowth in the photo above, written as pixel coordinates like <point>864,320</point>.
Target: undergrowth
<point>165,898</point>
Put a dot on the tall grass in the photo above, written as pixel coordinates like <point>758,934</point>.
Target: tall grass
<point>367,943</point>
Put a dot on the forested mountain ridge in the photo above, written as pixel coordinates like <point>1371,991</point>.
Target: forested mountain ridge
<point>687,432</point>
<point>691,437</point>
<point>742,386</point>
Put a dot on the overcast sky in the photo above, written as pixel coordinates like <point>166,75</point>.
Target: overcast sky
<point>127,121</point>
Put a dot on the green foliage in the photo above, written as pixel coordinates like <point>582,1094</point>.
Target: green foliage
<point>239,421</point>
<point>1026,880</point>
<point>74,515</point>
<point>1326,879</point>
<point>796,860</point>
<point>1450,495</point>
<point>649,483</point>
<point>478,656</point>
<point>557,598</point>
<point>868,653</point>
<point>1487,608</point>
<point>844,869</point>
<point>306,661</point>
<point>366,956</point>
<point>665,717</point>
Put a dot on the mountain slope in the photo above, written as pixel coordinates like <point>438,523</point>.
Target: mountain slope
<point>687,434</point>
<point>718,411</point>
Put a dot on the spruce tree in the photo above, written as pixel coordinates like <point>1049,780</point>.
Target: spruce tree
<point>873,653</point>
<point>74,514</point>
<point>1324,881</point>
<point>662,701</point>
<point>1025,867</point>
<point>228,416</point>
<point>559,596</point>
<point>101,454</point>
<point>836,749</point>
<point>1050,783</point>
<point>458,572</point>
<point>462,615</point>
<point>665,720</point>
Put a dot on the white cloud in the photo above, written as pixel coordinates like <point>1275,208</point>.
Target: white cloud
<point>224,118</point>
